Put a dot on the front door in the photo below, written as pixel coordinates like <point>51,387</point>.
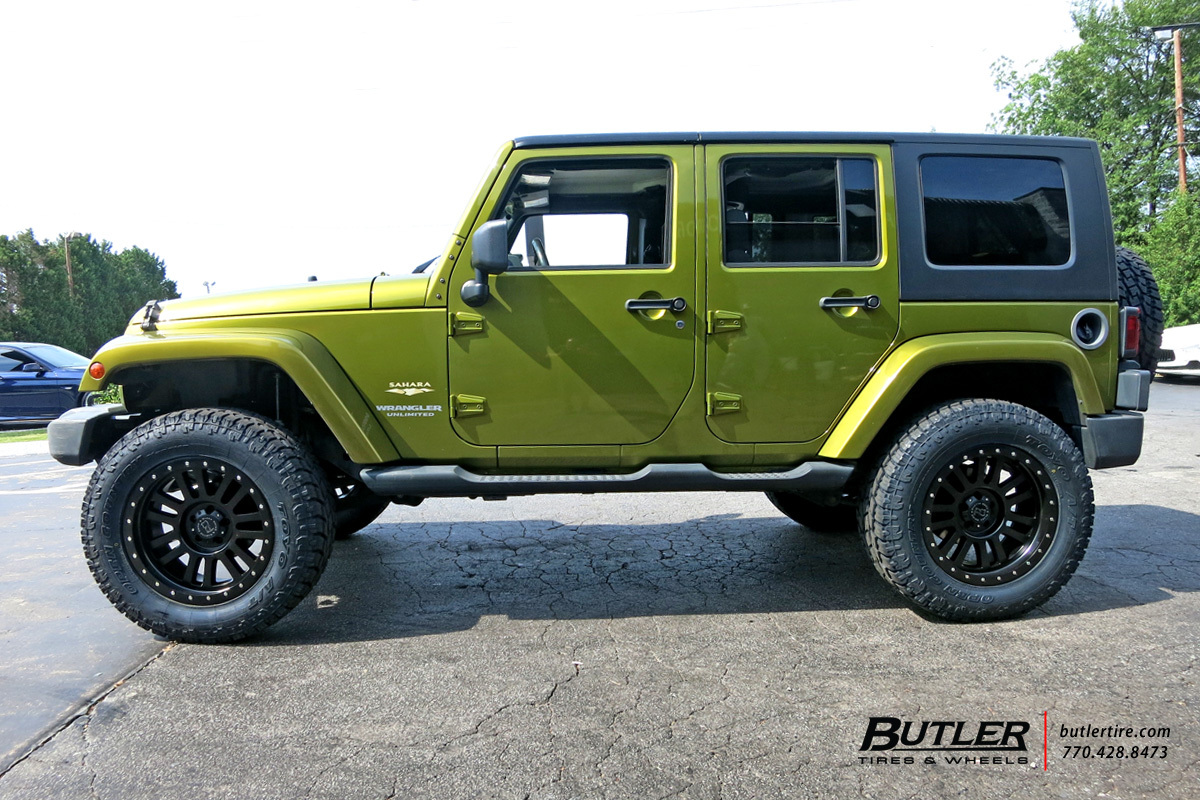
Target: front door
<point>555,356</point>
<point>803,288</point>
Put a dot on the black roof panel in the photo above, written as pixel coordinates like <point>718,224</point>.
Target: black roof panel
<point>791,137</point>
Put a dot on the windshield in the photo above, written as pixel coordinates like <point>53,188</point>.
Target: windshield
<point>58,357</point>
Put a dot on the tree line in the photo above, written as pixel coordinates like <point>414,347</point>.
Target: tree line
<point>75,291</point>
<point>1117,86</point>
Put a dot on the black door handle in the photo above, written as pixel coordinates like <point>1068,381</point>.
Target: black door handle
<point>675,304</point>
<point>870,302</point>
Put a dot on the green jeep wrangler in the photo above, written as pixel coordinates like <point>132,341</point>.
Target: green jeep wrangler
<point>929,338</point>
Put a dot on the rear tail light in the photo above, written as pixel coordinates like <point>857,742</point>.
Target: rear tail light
<point>1131,331</point>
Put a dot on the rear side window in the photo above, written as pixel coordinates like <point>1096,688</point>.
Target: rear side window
<point>995,211</point>
<point>800,210</point>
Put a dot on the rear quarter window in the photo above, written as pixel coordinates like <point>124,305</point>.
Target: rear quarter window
<point>995,211</point>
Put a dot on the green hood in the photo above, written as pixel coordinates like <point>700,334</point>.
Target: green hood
<point>402,291</point>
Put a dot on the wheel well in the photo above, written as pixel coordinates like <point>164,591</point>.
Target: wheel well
<point>1044,387</point>
<point>259,387</point>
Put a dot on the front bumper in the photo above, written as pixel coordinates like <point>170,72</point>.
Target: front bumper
<point>84,434</point>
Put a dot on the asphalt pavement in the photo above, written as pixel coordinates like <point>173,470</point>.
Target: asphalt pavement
<point>641,646</point>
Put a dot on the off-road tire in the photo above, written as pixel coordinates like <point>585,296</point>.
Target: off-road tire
<point>228,454</point>
<point>355,507</point>
<point>952,442</point>
<point>815,516</point>
<point>1137,287</point>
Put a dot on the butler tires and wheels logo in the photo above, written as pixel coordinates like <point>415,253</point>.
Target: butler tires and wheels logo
<point>892,740</point>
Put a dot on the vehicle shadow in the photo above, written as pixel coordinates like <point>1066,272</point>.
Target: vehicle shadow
<point>396,580</point>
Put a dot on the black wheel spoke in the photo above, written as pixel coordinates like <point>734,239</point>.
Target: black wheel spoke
<point>1019,497</point>
<point>998,547</point>
<point>160,517</point>
<point>210,572</point>
<point>172,554</point>
<point>1015,533</point>
<point>161,499</point>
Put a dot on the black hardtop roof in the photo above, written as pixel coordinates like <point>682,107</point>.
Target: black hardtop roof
<point>796,137</point>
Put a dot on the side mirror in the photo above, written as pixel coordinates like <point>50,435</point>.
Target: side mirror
<point>489,256</point>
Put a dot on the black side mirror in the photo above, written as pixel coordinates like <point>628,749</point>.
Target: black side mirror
<point>489,256</point>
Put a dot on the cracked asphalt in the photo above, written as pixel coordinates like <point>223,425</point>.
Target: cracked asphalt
<point>652,646</point>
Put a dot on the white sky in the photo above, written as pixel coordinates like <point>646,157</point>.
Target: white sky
<point>256,143</point>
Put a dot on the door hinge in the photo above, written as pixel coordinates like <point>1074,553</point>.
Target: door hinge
<point>464,322</point>
<point>467,405</point>
<point>723,403</point>
<point>724,321</point>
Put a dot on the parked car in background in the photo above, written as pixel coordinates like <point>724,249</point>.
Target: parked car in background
<point>1180,353</point>
<point>38,381</point>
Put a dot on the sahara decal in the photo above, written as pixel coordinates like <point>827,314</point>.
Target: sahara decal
<point>409,388</point>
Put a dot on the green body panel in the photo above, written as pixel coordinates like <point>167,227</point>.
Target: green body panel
<point>399,291</point>
<point>925,319</point>
<point>305,359</point>
<point>906,365</point>
<point>560,361</point>
<point>315,296</point>
<point>794,364</point>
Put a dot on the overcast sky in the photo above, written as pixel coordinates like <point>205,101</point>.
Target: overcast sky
<point>257,143</point>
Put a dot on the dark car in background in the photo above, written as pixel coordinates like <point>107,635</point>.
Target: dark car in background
<point>38,381</point>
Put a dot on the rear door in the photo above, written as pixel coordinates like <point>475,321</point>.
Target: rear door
<point>803,287</point>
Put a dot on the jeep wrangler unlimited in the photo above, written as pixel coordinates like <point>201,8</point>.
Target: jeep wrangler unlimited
<point>927,337</point>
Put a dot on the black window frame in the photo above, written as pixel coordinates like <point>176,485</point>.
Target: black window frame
<point>668,220</point>
<point>841,201</point>
<point>1072,233</point>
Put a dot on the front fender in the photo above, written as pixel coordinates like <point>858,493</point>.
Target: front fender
<point>909,362</point>
<point>304,359</point>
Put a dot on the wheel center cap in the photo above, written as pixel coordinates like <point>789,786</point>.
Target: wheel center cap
<point>980,511</point>
<point>208,525</point>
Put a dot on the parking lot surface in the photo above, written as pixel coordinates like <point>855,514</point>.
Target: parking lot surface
<point>648,646</point>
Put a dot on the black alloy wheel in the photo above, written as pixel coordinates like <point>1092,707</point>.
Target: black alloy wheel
<point>200,530</point>
<point>989,516</point>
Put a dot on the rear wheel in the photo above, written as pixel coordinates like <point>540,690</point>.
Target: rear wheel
<point>813,515</point>
<point>981,509</point>
<point>207,525</point>
<point>355,506</point>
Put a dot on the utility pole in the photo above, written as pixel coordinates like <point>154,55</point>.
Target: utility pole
<point>1175,34</point>
<point>70,274</point>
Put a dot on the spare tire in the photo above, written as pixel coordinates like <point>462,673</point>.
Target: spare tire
<point>1137,287</point>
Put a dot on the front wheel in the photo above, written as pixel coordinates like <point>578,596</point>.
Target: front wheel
<point>207,525</point>
<point>981,509</point>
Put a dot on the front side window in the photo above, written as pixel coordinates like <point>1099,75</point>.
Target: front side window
<point>588,214</point>
<point>995,211</point>
<point>800,210</point>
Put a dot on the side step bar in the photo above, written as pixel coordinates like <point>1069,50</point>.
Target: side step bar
<point>452,481</point>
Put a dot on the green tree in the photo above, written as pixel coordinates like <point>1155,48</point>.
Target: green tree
<point>1173,247</point>
<point>80,307</point>
<point>1116,86</point>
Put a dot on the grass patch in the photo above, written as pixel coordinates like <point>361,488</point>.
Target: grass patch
<point>35,435</point>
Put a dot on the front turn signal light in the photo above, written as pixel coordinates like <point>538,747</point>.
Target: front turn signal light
<point>96,370</point>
